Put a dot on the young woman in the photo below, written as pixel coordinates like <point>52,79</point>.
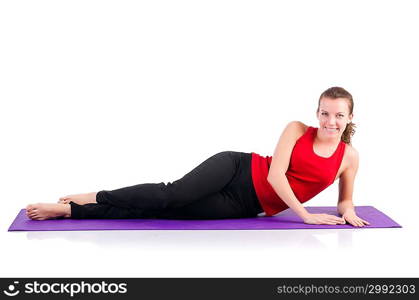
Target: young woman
<point>239,185</point>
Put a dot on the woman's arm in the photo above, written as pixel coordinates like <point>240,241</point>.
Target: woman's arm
<point>346,182</point>
<point>346,186</point>
<point>279,165</point>
<point>279,182</point>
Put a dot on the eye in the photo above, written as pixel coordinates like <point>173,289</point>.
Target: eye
<point>324,113</point>
<point>341,116</point>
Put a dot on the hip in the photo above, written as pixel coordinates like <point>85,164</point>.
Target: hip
<point>241,186</point>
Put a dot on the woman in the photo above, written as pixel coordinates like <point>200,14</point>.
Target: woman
<point>238,185</point>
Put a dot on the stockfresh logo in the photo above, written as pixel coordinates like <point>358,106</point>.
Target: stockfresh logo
<point>11,289</point>
<point>71,289</point>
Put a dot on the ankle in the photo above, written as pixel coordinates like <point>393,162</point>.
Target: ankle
<point>67,210</point>
<point>93,196</point>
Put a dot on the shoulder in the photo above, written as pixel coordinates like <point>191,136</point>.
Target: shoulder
<point>297,128</point>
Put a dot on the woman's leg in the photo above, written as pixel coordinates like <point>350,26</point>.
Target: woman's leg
<point>208,178</point>
<point>216,206</point>
<point>79,198</point>
<point>235,200</point>
<point>105,211</point>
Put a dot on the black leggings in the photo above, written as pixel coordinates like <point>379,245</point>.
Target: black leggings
<point>220,187</point>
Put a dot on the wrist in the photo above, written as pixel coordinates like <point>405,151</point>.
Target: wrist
<point>305,215</point>
<point>348,211</point>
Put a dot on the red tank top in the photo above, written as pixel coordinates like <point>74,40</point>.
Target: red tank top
<point>308,174</point>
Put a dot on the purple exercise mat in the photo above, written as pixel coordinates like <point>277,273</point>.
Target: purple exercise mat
<point>284,220</point>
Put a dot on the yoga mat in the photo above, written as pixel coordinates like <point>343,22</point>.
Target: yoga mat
<point>284,220</point>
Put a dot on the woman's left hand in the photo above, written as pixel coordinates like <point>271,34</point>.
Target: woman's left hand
<point>354,220</point>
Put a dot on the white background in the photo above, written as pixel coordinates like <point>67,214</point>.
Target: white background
<point>105,94</point>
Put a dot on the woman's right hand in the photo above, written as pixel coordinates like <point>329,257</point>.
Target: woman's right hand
<point>323,219</point>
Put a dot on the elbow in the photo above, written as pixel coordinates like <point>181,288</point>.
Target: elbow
<point>274,179</point>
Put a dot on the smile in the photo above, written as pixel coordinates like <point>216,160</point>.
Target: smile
<point>331,129</point>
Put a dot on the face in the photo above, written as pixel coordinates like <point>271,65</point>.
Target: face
<point>333,116</point>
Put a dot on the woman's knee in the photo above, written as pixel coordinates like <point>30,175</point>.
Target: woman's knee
<point>228,154</point>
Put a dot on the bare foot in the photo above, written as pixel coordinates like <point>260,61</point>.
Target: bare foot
<point>80,199</point>
<point>44,211</point>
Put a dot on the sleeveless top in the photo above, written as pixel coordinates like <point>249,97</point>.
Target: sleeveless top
<point>308,173</point>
